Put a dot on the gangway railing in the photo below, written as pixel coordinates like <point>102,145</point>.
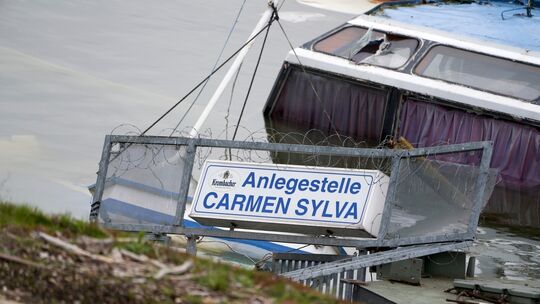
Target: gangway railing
<point>344,277</point>
<point>406,166</point>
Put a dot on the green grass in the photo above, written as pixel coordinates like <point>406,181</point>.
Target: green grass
<point>227,278</point>
<point>218,278</point>
<point>140,246</point>
<point>191,299</point>
<point>31,218</point>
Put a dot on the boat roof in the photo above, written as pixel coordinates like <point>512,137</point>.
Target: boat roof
<point>473,97</point>
<point>467,42</point>
<point>482,20</point>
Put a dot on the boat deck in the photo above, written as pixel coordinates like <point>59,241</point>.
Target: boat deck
<point>431,290</point>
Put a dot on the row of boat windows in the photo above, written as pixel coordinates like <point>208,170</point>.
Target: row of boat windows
<point>496,75</point>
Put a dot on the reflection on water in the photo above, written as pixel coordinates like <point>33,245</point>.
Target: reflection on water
<point>505,255</point>
<point>514,207</point>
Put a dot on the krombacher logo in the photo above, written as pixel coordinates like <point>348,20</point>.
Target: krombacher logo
<point>225,180</point>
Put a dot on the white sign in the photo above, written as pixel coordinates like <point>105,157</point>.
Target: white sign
<point>290,198</point>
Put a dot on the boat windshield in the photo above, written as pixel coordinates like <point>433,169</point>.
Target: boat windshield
<point>497,75</point>
<point>366,46</point>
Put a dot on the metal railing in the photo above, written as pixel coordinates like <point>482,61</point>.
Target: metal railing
<point>384,239</point>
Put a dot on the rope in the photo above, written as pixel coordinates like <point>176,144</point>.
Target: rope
<point>233,88</point>
<point>192,90</point>
<point>213,68</point>
<point>269,255</point>
<point>231,249</point>
<point>204,80</point>
<point>319,100</point>
<point>272,18</point>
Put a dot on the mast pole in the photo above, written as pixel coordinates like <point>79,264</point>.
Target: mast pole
<point>233,68</point>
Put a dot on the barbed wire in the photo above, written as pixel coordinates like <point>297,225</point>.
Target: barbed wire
<point>425,183</point>
<point>311,137</point>
<point>152,155</point>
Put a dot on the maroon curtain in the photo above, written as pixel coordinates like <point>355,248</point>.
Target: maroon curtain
<point>516,147</point>
<point>354,110</point>
<point>516,199</point>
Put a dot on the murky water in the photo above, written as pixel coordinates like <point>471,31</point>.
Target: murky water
<point>73,71</point>
<point>505,255</point>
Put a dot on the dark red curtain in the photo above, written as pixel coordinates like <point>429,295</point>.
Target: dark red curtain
<point>516,147</point>
<point>516,199</point>
<point>325,103</point>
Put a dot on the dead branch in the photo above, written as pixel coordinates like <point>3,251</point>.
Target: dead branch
<point>158,264</point>
<point>185,277</point>
<point>73,248</point>
<point>135,257</point>
<point>85,240</point>
<point>178,270</point>
<point>18,260</point>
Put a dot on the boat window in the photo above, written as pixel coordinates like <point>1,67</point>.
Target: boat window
<point>391,51</point>
<point>366,46</point>
<point>496,75</point>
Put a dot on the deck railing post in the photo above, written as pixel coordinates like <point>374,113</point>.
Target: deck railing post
<point>101,179</point>
<point>189,159</point>
<point>191,247</point>
<point>390,197</point>
<point>480,188</point>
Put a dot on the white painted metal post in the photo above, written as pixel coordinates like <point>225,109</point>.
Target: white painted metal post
<point>232,70</point>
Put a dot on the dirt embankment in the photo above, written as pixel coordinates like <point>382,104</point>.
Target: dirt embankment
<point>59,260</point>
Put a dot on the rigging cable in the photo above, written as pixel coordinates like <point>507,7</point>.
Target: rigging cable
<point>233,87</point>
<point>310,82</point>
<point>213,68</point>
<point>203,81</point>
<point>272,18</point>
<point>193,90</point>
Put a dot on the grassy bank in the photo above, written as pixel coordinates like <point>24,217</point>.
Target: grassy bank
<point>56,259</point>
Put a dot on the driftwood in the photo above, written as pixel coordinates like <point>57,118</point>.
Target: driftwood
<point>158,264</point>
<point>188,276</point>
<point>135,257</point>
<point>73,248</point>
<point>116,257</point>
<point>86,240</point>
<point>178,270</point>
<point>18,260</point>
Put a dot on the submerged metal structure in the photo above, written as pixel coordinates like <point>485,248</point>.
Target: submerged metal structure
<point>451,203</point>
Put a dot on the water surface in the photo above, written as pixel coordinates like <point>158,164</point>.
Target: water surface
<point>73,71</point>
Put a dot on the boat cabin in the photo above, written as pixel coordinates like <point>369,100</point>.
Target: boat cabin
<point>374,78</point>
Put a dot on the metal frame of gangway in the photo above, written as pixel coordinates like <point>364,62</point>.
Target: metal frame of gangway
<point>192,144</point>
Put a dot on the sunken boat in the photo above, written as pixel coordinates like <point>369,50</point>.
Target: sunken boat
<point>374,79</point>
